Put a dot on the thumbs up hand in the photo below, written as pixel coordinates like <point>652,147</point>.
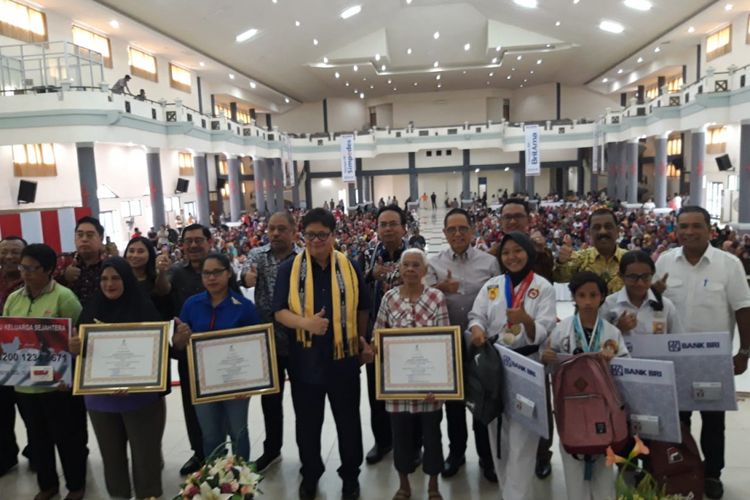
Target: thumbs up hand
<point>566,250</point>
<point>251,276</point>
<point>549,357</point>
<point>163,262</point>
<point>448,285</point>
<point>181,334</point>
<point>661,285</point>
<point>318,324</point>
<point>626,322</point>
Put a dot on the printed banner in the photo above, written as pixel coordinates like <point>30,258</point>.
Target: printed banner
<point>34,351</point>
<point>348,164</point>
<point>289,173</point>
<point>533,163</point>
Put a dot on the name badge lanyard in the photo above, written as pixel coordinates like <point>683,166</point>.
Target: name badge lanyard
<point>515,300</point>
<point>593,344</point>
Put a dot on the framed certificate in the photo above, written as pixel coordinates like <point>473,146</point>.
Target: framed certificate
<point>122,356</point>
<point>226,364</point>
<point>413,362</point>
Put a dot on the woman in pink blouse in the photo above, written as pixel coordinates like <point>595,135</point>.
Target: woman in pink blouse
<point>407,306</point>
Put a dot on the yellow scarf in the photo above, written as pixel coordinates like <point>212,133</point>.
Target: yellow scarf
<point>340,268</point>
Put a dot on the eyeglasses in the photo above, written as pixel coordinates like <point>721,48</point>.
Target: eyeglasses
<point>512,217</point>
<point>28,269</point>
<point>386,225</point>
<point>322,236</point>
<point>215,273</point>
<point>194,241</point>
<point>635,278</point>
<point>460,229</point>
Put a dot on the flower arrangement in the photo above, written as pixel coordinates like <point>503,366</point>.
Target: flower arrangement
<point>221,478</point>
<point>646,487</point>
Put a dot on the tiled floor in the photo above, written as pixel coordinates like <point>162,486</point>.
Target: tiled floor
<point>378,482</point>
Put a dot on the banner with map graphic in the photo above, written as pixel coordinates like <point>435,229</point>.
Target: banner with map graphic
<point>34,352</point>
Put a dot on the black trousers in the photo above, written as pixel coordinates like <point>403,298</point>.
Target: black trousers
<point>712,440</point>
<point>380,420</point>
<point>309,404</point>
<point>426,426</point>
<point>56,420</point>
<point>273,412</point>
<point>458,434</point>
<point>191,420</point>
<point>8,445</point>
<point>543,450</point>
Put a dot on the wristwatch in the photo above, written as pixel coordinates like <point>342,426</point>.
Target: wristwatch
<point>744,352</point>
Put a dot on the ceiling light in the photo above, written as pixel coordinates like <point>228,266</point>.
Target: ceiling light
<point>436,64</point>
<point>531,72</point>
<point>114,23</point>
<point>202,64</point>
<point>575,2</point>
<point>521,86</point>
<point>246,35</point>
<point>611,26</point>
<point>529,4</point>
<point>231,76</point>
<point>337,75</point>
<point>372,86</point>
<point>325,60</point>
<point>436,35</point>
<point>377,57</point>
<point>382,68</point>
<point>518,58</point>
<point>638,4</point>
<point>415,84</point>
<point>439,85</point>
<point>297,23</point>
<point>464,72</point>
<point>390,81</point>
<point>408,51</point>
<point>498,48</point>
<point>488,82</point>
<point>347,84</point>
<point>437,77</point>
<point>364,79</point>
<point>506,169</point>
<point>512,69</point>
<point>407,3</point>
<point>494,60</point>
<point>657,49</point>
<point>315,41</point>
<point>539,61</point>
<point>525,80</point>
<point>275,1</point>
<point>639,60</point>
<point>691,29</point>
<point>286,100</point>
<point>507,77</point>
<point>557,23</point>
<point>252,85</point>
<point>351,11</point>
<point>355,68</point>
<point>619,71</point>
<point>549,45</point>
<point>728,6</point>
<point>467,47</point>
<point>356,91</point>
<point>605,80</point>
<point>361,95</point>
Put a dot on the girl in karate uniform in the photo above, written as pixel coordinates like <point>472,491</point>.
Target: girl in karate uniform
<point>517,309</point>
<point>637,308</point>
<point>586,331</point>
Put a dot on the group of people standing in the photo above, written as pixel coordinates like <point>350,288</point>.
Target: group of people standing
<point>325,308</point>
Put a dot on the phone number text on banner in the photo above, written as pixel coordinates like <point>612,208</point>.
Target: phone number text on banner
<point>34,352</point>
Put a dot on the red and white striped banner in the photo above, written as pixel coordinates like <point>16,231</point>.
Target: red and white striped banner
<point>55,228</point>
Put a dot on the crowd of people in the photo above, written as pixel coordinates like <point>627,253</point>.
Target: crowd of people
<point>327,279</point>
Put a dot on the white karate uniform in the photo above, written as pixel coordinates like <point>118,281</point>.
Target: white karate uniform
<point>648,320</point>
<point>602,483</point>
<point>515,468</point>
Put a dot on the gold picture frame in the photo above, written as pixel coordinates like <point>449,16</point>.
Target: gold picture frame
<point>226,360</point>
<point>118,346</point>
<point>408,346</point>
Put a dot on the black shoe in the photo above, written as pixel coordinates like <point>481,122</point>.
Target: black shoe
<point>308,491</point>
<point>350,491</point>
<point>713,488</point>
<point>192,465</point>
<point>265,461</point>
<point>377,453</point>
<point>451,466</point>
<point>488,472</point>
<point>543,468</point>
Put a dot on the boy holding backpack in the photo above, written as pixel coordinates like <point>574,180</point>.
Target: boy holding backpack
<point>588,411</point>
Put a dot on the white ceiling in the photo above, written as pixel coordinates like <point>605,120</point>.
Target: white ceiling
<point>283,56</point>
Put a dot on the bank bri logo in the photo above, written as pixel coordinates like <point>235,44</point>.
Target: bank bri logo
<point>674,346</point>
<point>507,361</point>
<point>617,370</point>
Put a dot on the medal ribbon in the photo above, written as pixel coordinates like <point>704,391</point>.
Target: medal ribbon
<point>593,345</point>
<point>515,300</point>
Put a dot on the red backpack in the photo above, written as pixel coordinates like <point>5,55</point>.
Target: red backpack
<point>589,412</point>
<point>677,466</point>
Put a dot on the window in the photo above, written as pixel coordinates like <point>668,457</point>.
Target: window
<point>93,41</point>
<point>34,160</point>
<point>716,140</point>
<point>131,208</point>
<point>185,162</point>
<point>224,109</point>
<point>747,35</point>
<point>672,171</point>
<point>719,43</point>
<point>142,64</point>
<point>179,78</point>
<point>652,92</point>
<point>21,22</point>
<point>223,167</point>
<point>674,84</point>
<point>674,146</point>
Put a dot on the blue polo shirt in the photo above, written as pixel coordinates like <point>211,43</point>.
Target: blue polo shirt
<point>315,365</point>
<point>233,312</point>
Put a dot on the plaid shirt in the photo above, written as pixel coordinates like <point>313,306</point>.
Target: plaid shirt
<point>396,311</point>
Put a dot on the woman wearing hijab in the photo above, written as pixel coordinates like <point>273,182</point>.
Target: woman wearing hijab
<point>515,309</point>
<point>123,418</point>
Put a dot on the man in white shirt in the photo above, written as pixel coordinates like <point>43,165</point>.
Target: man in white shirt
<point>459,272</point>
<point>708,288</point>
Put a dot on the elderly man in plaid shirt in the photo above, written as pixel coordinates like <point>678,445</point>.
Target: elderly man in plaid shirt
<point>410,305</point>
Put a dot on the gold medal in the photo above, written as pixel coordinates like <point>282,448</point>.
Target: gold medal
<point>513,330</point>
<point>508,338</point>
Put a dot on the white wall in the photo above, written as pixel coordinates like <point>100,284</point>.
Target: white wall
<point>580,102</point>
<point>390,185</point>
<point>346,115</point>
<point>386,162</point>
<point>740,54</point>
<point>444,160</point>
<point>305,118</point>
<point>325,189</point>
<point>492,156</point>
<point>533,103</point>
<point>384,115</point>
